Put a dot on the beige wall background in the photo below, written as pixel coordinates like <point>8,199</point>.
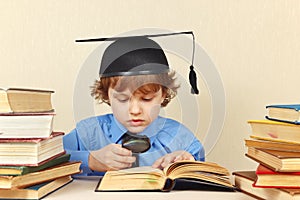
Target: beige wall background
<point>255,46</point>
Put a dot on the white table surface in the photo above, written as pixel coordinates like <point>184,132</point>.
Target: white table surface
<point>84,189</point>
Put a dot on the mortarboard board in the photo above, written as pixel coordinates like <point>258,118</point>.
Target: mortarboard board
<point>138,55</point>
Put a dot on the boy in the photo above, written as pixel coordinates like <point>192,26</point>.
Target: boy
<point>135,80</point>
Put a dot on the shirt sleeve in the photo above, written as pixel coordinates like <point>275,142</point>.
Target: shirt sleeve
<point>77,151</point>
<point>197,150</point>
<point>175,136</point>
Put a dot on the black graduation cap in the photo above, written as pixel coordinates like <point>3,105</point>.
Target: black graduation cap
<point>138,55</point>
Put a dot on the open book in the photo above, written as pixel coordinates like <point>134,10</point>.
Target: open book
<point>195,175</point>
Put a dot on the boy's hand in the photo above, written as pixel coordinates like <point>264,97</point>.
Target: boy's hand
<point>110,157</point>
<point>171,158</point>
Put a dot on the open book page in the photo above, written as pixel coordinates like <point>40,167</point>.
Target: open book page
<point>138,178</point>
<point>182,166</point>
<point>139,170</point>
<point>206,171</point>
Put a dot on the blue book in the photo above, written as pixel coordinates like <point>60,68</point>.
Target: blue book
<point>289,113</point>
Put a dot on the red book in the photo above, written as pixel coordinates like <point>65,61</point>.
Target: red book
<point>243,180</point>
<point>271,179</point>
<point>31,151</point>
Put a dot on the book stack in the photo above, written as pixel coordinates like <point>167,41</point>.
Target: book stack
<point>33,162</point>
<point>275,145</point>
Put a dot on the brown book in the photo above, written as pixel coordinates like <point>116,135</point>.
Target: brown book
<point>244,181</point>
<point>275,131</point>
<point>190,174</point>
<point>273,145</point>
<point>30,151</point>
<point>25,100</point>
<point>36,191</point>
<point>64,169</point>
<point>282,161</point>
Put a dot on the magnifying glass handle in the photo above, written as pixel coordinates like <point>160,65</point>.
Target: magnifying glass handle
<point>136,162</point>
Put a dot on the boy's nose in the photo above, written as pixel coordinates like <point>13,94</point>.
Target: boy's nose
<point>134,107</point>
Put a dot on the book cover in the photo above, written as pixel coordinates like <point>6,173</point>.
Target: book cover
<point>22,170</point>
<point>36,192</point>
<point>271,179</point>
<point>179,175</point>
<point>64,169</point>
<point>295,107</point>
<point>244,181</point>
<point>286,113</point>
<point>34,163</point>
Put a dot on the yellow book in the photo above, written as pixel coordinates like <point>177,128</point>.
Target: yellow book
<point>275,131</point>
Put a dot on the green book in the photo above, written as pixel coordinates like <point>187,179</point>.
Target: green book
<point>36,192</point>
<point>22,170</point>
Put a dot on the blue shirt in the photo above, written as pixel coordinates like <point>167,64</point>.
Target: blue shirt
<point>166,136</point>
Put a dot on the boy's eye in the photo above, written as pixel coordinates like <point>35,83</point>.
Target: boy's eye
<point>122,100</point>
<point>147,98</point>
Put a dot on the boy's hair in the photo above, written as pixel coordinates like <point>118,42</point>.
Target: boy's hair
<point>139,83</point>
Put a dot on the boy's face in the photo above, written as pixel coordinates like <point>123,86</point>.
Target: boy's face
<point>135,111</point>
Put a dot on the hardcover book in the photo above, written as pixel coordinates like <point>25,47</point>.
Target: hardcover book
<point>244,181</point>
<point>25,100</point>
<point>30,151</point>
<point>272,179</point>
<point>281,161</point>
<point>26,125</point>
<point>64,169</point>
<point>179,175</point>
<point>14,170</point>
<point>36,192</point>
<point>286,113</point>
<point>275,131</point>
<point>273,145</point>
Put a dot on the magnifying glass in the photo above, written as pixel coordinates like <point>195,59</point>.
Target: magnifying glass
<point>137,144</point>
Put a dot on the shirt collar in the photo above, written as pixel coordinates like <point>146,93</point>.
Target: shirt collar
<point>117,130</point>
<point>154,128</point>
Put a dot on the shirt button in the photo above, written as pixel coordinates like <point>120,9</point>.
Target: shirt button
<point>110,136</point>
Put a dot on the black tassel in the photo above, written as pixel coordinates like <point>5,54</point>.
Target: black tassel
<point>193,80</point>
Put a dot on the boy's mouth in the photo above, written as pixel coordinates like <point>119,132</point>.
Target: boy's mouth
<point>136,122</point>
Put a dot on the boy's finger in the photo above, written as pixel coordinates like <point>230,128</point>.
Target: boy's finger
<point>121,151</point>
<point>124,159</point>
<point>169,158</point>
<point>157,163</point>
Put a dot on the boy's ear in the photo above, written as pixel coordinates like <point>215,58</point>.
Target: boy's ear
<point>163,98</point>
